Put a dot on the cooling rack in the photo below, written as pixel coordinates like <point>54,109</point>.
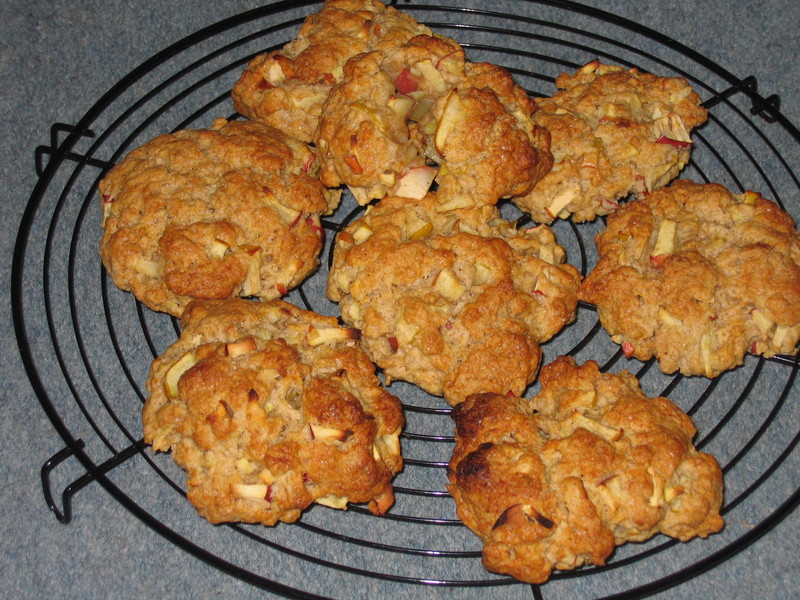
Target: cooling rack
<point>74,322</point>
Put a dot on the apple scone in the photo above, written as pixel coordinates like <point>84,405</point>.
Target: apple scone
<point>269,408</point>
<point>287,88</point>
<point>210,214</point>
<point>614,131</point>
<point>559,480</point>
<point>455,302</point>
<point>697,277</point>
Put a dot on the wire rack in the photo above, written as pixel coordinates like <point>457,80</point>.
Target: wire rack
<point>87,346</point>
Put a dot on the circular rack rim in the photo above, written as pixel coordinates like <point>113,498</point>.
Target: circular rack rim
<point>98,472</point>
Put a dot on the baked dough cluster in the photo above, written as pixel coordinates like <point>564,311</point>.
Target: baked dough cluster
<point>382,96</point>
<point>557,481</point>
<point>210,214</point>
<point>697,277</point>
<point>614,131</point>
<point>270,408</point>
<point>456,302</point>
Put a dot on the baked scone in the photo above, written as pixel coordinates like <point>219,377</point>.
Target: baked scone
<point>455,302</point>
<point>421,102</point>
<point>557,481</point>
<point>288,87</point>
<point>613,131</point>
<point>210,214</point>
<point>270,408</point>
<point>697,277</point>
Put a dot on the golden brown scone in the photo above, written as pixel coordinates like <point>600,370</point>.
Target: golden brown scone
<point>697,276</point>
<point>456,303</point>
<point>396,108</point>
<point>613,131</point>
<point>557,481</point>
<point>288,87</point>
<point>210,214</point>
<point>270,408</point>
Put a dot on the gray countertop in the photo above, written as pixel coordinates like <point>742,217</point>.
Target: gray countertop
<point>56,59</point>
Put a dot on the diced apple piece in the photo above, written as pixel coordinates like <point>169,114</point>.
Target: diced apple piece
<point>672,128</point>
<point>432,76</point>
<point>391,441</point>
<point>665,241</point>
<point>174,373</point>
<point>320,432</point>
<point>387,178</point>
<point>244,466</point>
<point>239,347</point>
<point>422,232</point>
<point>405,82</point>
<point>562,199</point>
<point>333,501</point>
<point>448,285</point>
<point>288,215</point>
<point>670,142</point>
<point>706,351</point>
<point>251,490</point>
<point>362,234</point>
<point>628,349</point>
<point>610,434</point>
<point>546,254</point>
<point>400,105</point>
<point>376,453</point>
<point>147,267</point>
<point>452,114</point>
<point>217,248</point>
<point>762,321</point>
<point>657,497</point>
<point>252,279</point>
<point>275,74</point>
<point>329,335</point>
<point>455,203</point>
<point>785,337</point>
<point>482,273</point>
<point>668,318</point>
<point>415,183</point>
<point>266,476</point>
<point>406,331</point>
<point>464,228</point>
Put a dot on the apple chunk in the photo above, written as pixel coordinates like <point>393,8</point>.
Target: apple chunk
<point>448,285</point>
<point>415,182</point>
<point>665,241</point>
<point>329,335</point>
<point>452,114</point>
<point>183,364</point>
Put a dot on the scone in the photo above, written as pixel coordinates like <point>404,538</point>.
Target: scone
<point>557,481</point>
<point>212,214</point>
<point>613,131</point>
<point>269,408</point>
<point>697,277</point>
<point>287,88</point>
<point>455,302</point>
<point>399,111</point>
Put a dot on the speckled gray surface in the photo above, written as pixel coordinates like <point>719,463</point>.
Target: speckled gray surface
<point>56,60</point>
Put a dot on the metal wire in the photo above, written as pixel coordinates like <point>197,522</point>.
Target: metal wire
<point>88,389</point>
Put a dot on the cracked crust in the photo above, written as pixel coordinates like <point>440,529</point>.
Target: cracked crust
<point>613,131</point>
<point>270,408</point>
<point>287,88</point>
<point>557,481</point>
<point>210,214</point>
<point>455,302</point>
<point>697,277</point>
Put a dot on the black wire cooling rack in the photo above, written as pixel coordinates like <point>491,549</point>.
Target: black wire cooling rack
<point>87,346</point>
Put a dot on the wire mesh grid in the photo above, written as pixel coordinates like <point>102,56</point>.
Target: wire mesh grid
<point>72,321</point>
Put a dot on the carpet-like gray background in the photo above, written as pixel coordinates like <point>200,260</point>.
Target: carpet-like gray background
<point>56,59</point>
